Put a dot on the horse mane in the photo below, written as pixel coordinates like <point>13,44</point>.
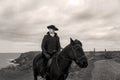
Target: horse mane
<point>78,42</point>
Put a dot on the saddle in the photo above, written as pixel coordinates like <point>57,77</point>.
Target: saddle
<point>45,68</point>
<point>49,63</point>
<point>50,60</point>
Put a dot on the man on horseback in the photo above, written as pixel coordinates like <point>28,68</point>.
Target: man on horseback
<point>50,45</point>
<point>59,69</point>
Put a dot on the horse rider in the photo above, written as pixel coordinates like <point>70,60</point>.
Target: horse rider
<point>50,45</point>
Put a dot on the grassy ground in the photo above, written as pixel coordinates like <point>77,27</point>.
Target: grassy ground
<point>77,74</point>
<point>15,75</point>
<point>82,74</point>
<point>106,70</point>
<point>96,70</point>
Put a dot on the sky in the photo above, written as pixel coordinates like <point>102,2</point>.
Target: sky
<point>23,23</point>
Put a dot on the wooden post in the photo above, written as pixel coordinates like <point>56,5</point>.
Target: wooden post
<point>94,50</point>
<point>105,50</point>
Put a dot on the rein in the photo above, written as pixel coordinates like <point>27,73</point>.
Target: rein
<point>57,63</point>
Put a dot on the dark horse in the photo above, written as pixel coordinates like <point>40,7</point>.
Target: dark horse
<point>61,63</point>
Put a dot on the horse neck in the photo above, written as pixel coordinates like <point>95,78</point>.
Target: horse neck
<point>64,62</point>
<point>66,52</point>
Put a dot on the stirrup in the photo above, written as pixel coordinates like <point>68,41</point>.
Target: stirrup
<point>45,75</point>
<point>44,78</point>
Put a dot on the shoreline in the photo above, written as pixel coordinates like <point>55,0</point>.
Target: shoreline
<point>6,58</point>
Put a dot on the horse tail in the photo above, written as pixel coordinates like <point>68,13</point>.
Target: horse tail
<point>35,66</point>
<point>38,65</point>
<point>35,71</point>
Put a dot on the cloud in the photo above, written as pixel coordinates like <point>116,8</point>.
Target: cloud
<point>92,22</point>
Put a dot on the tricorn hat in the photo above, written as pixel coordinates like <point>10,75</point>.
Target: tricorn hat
<point>52,27</point>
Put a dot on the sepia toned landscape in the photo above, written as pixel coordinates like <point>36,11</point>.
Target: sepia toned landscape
<point>95,23</point>
<point>103,65</point>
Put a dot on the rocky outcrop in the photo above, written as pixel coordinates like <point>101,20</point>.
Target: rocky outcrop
<point>102,66</point>
<point>24,61</point>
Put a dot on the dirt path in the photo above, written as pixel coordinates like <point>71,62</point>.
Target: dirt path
<point>82,74</point>
<point>106,70</point>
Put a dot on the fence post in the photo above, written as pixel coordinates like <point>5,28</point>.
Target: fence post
<point>94,50</point>
<point>105,50</point>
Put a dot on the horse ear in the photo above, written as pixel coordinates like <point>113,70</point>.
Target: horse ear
<point>71,41</point>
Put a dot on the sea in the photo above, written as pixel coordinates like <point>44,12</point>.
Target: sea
<point>5,59</point>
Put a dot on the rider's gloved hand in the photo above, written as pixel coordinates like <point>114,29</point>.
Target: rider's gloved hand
<point>47,55</point>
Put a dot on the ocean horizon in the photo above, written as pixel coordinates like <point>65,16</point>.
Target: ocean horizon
<point>6,57</point>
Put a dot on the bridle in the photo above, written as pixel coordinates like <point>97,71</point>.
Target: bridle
<point>74,53</point>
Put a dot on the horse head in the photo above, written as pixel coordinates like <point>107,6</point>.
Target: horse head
<point>77,53</point>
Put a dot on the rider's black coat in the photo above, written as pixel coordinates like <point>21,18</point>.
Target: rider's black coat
<point>50,44</point>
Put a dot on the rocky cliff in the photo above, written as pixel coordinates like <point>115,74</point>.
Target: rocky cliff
<point>101,66</point>
<point>24,61</point>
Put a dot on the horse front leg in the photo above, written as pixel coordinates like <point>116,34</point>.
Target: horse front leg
<point>62,78</point>
<point>35,77</point>
<point>48,78</point>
